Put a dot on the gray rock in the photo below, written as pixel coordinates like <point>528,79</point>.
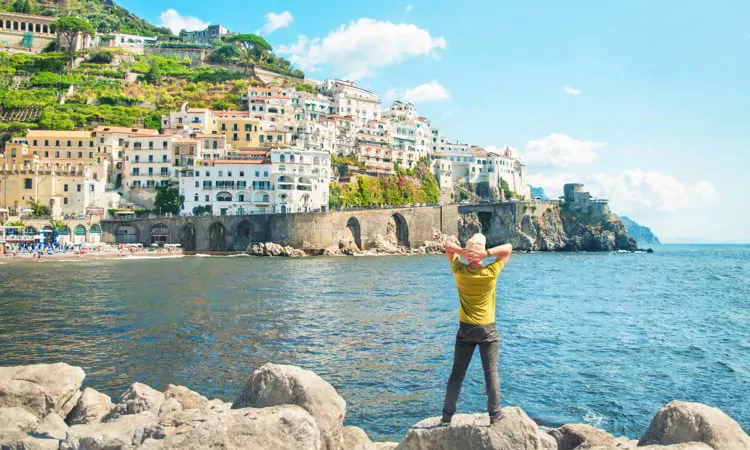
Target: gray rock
<point>125,432</point>
<point>683,422</point>
<point>52,426</point>
<point>41,388</point>
<point>17,419</point>
<point>22,441</point>
<point>187,398</point>
<point>385,445</point>
<point>355,438</point>
<point>169,406</point>
<point>516,431</point>
<point>273,385</point>
<point>92,406</point>
<point>578,435</point>
<point>139,398</point>
<point>279,427</point>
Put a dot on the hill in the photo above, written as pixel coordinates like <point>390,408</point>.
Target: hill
<point>640,233</point>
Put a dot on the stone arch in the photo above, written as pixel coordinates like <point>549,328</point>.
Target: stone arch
<point>398,230</point>
<point>95,234</point>
<point>187,237</point>
<point>79,234</point>
<point>126,234</point>
<point>354,232</point>
<point>217,239</point>
<point>224,196</point>
<point>243,235</point>
<point>160,233</point>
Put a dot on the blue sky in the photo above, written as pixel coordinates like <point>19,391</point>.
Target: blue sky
<point>646,102</point>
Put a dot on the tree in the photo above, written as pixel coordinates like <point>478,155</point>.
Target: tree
<point>224,54</point>
<point>38,209</point>
<point>154,75</point>
<point>69,28</point>
<point>252,48</point>
<point>24,7</point>
<point>167,200</point>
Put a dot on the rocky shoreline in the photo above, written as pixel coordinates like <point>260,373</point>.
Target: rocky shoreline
<point>43,406</point>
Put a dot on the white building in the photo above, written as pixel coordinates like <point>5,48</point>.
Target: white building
<point>111,141</point>
<point>280,181</point>
<point>131,42</point>
<point>350,100</point>
<point>189,121</point>
<point>148,164</point>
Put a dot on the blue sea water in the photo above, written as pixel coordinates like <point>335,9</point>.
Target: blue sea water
<point>599,338</point>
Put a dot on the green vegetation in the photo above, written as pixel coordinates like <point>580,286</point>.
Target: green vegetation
<point>303,87</point>
<point>167,201</point>
<point>102,57</point>
<point>251,47</point>
<point>38,209</point>
<point>507,193</point>
<point>400,189</point>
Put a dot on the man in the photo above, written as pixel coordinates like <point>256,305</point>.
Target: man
<point>476,292</point>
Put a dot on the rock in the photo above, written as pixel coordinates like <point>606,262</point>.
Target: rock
<point>41,388</point>
<point>187,398</point>
<point>383,245</point>
<point>139,398</point>
<point>17,419</point>
<point>272,249</point>
<point>22,441</point>
<point>572,436</point>
<point>126,431</point>
<point>52,426</point>
<point>682,422</point>
<point>516,431</point>
<point>273,385</point>
<point>170,406</point>
<point>92,406</point>
<point>355,438</point>
<point>385,445</point>
<point>279,427</point>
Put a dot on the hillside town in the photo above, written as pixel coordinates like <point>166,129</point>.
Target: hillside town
<point>284,151</point>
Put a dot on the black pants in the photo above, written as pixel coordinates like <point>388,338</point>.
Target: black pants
<point>488,340</point>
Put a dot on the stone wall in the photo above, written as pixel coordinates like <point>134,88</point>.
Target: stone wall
<point>410,227</point>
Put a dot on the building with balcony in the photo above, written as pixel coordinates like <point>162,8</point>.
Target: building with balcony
<point>148,165</point>
<point>25,32</point>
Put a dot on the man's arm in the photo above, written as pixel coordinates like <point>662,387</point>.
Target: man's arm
<point>501,252</point>
<point>451,250</point>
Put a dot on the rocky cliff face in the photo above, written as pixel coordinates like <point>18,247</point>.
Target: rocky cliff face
<point>642,234</point>
<point>550,228</point>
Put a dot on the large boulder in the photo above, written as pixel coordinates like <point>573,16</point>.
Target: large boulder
<point>22,441</point>
<point>92,407</point>
<point>52,426</point>
<point>570,437</point>
<point>355,438</point>
<point>682,422</point>
<point>137,399</point>
<point>515,431</point>
<point>17,419</point>
<point>285,427</point>
<point>185,397</point>
<point>273,385</point>
<point>41,388</point>
<point>127,431</point>
<point>385,445</point>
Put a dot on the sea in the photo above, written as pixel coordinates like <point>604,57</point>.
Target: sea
<point>598,338</point>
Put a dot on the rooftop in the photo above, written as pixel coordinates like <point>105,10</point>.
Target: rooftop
<point>108,129</point>
<point>58,133</point>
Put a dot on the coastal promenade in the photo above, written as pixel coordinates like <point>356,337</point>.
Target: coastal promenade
<point>411,227</point>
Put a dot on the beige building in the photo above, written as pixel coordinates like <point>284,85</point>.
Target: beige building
<point>25,32</point>
<point>110,141</point>
<point>148,165</point>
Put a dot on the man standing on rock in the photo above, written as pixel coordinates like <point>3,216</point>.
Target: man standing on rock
<point>477,295</point>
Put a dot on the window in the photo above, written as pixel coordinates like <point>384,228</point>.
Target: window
<point>91,154</point>
<point>207,184</point>
<point>265,173</point>
<point>80,143</point>
<point>91,188</point>
<point>257,173</point>
<point>136,171</point>
<point>248,138</point>
<point>65,188</point>
<point>151,145</point>
<point>208,198</point>
<point>195,197</point>
<point>229,173</point>
<point>70,143</point>
<point>150,170</point>
<point>242,174</point>
<point>65,200</point>
<point>282,158</point>
<point>78,188</point>
<point>164,158</point>
<point>150,158</point>
<point>164,144</point>
<point>197,184</point>
<point>235,137</point>
<point>136,158</point>
<point>46,154</point>
<point>221,173</point>
<point>208,174</point>
<point>291,158</point>
<point>165,170</point>
<point>57,143</point>
<point>27,183</point>
<point>69,155</point>
<point>46,143</point>
<point>80,154</point>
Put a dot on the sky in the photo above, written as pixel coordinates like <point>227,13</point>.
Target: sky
<point>645,102</point>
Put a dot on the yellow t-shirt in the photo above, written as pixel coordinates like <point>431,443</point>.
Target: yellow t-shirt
<point>476,291</point>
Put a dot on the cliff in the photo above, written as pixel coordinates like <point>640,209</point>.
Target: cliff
<point>43,406</point>
<point>642,234</point>
<point>548,226</point>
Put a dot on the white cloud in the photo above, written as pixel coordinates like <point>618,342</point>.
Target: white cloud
<point>177,22</point>
<point>354,50</point>
<point>571,90</point>
<point>276,21</point>
<point>561,150</point>
<point>427,92</point>
<point>409,8</point>
<point>638,189</point>
<point>633,192</point>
